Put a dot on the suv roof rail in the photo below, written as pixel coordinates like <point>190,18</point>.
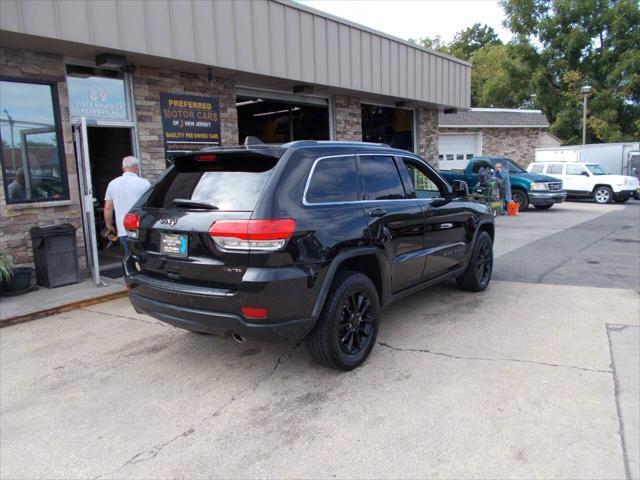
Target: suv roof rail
<point>304,143</point>
<point>255,144</point>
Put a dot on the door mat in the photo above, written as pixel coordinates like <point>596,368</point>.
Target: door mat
<point>115,272</point>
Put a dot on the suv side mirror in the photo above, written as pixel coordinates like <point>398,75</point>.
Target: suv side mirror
<point>585,173</point>
<point>459,188</point>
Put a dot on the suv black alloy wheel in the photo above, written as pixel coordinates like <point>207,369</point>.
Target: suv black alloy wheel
<point>478,273</point>
<point>348,326</point>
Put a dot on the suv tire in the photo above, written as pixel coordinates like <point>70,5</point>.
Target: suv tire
<point>350,316</point>
<point>521,197</point>
<point>478,273</point>
<point>603,195</point>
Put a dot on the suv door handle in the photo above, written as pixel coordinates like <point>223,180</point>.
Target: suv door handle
<point>429,210</point>
<point>377,212</point>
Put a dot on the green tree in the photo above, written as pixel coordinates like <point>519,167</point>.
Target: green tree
<point>472,39</point>
<point>571,43</point>
<point>500,77</point>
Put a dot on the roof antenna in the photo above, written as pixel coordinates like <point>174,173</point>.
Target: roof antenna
<point>250,140</point>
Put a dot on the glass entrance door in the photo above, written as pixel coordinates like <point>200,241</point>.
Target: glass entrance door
<point>86,198</point>
<point>100,148</point>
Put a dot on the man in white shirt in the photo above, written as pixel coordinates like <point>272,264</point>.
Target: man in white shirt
<point>122,193</point>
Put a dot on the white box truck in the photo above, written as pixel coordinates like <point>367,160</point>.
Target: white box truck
<point>614,158</point>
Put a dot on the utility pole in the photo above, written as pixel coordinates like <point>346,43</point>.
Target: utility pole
<point>13,146</point>
<point>586,90</point>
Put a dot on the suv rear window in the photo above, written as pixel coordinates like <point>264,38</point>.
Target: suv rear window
<point>333,180</point>
<point>381,178</point>
<point>231,183</point>
<point>555,168</point>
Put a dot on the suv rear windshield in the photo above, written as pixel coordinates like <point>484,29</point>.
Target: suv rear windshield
<point>231,183</point>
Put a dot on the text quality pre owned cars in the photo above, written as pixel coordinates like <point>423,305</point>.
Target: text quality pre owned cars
<point>304,240</point>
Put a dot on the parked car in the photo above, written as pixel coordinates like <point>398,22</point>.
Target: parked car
<point>304,240</point>
<point>526,188</point>
<point>589,180</point>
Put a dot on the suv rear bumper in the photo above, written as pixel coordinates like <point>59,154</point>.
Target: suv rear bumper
<point>220,323</point>
<point>547,198</point>
<point>284,292</point>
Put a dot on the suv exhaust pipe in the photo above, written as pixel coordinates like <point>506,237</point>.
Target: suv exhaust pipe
<point>238,338</point>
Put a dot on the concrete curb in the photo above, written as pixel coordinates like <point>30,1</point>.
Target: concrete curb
<point>62,308</point>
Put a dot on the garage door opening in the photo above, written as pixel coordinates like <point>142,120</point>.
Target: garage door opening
<point>393,126</point>
<point>278,121</point>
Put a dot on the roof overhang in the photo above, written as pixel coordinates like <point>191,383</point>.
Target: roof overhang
<point>272,43</point>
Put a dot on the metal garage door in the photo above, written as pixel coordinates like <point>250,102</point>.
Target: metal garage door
<point>456,146</point>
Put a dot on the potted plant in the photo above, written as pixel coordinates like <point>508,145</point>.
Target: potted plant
<point>13,280</point>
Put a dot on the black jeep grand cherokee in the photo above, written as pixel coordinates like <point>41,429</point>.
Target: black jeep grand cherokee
<point>308,239</point>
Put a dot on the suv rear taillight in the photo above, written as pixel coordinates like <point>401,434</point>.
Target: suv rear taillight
<point>132,224</point>
<point>252,235</point>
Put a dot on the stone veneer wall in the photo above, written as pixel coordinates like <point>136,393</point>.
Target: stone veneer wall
<point>348,118</point>
<point>428,134</point>
<point>16,220</point>
<point>517,144</point>
<point>147,85</point>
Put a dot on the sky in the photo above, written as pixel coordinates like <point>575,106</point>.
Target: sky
<point>417,18</point>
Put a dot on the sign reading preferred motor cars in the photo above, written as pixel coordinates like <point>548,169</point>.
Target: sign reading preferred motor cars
<point>189,122</point>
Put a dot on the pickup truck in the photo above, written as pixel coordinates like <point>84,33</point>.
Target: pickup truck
<point>527,188</point>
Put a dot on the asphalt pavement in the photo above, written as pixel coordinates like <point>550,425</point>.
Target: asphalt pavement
<point>534,378</point>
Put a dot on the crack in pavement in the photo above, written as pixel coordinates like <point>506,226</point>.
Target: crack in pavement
<point>486,359</point>
<point>152,452</point>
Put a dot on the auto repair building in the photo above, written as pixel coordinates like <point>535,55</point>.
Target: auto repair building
<point>82,84</point>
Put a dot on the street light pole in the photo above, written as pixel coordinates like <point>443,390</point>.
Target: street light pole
<point>13,146</point>
<point>586,90</point>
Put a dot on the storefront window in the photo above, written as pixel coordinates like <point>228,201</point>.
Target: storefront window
<point>97,93</point>
<point>393,126</point>
<point>32,157</point>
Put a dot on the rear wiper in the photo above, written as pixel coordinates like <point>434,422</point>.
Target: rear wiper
<point>185,202</point>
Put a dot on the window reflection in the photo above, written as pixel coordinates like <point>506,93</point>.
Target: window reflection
<point>97,93</point>
<point>393,126</point>
<point>31,159</point>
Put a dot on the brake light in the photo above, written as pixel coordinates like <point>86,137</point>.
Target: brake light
<point>252,235</point>
<point>206,158</point>
<point>257,313</point>
<point>132,224</point>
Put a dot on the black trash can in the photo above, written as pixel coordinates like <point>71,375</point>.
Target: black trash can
<point>55,255</point>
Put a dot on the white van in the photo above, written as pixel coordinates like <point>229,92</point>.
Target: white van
<point>588,180</point>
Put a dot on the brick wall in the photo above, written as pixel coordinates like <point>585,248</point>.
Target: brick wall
<point>348,118</point>
<point>428,134</point>
<point>16,220</point>
<point>517,144</point>
<point>147,85</point>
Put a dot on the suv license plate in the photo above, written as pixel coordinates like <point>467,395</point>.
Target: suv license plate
<point>174,245</point>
